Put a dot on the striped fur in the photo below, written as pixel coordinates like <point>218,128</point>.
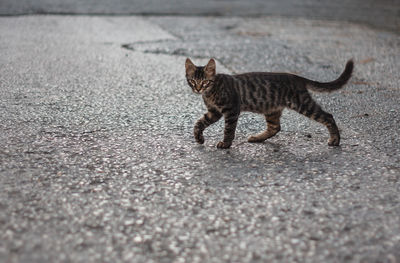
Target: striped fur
<point>259,92</point>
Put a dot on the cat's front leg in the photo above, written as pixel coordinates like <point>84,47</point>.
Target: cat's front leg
<point>231,119</point>
<point>208,118</point>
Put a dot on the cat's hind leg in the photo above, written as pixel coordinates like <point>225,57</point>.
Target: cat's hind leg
<point>308,107</point>
<point>273,127</point>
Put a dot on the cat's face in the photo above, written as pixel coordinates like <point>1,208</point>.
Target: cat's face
<point>200,78</point>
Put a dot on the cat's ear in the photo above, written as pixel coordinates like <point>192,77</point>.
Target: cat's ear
<point>190,67</point>
<point>210,68</point>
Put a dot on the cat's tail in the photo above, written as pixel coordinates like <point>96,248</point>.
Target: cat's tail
<point>333,85</point>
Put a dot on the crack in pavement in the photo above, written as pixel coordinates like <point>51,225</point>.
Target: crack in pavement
<point>159,47</point>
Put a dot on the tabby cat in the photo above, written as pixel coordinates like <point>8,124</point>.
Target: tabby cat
<point>260,92</point>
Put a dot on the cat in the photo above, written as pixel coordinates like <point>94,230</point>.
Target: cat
<point>259,92</point>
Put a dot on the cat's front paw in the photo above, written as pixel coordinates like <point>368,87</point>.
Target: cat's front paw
<point>224,145</point>
<point>199,138</point>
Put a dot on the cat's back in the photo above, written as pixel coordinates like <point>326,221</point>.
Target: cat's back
<point>271,76</point>
<point>259,82</point>
<point>268,76</point>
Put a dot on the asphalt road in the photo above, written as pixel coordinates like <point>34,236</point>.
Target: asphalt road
<point>98,161</point>
<point>382,14</point>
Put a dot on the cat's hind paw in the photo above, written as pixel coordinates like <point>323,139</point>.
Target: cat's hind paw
<point>256,139</point>
<point>223,145</point>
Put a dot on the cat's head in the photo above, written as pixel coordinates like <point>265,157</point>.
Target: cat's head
<point>200,78</point>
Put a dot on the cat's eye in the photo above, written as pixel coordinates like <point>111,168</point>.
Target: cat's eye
<point>192,82</point>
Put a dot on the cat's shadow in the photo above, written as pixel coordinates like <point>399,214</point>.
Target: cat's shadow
<point>276,147</point>
<point>268,153</point>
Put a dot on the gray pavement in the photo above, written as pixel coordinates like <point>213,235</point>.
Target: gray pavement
<point>98,161</point>
<point>381,14</point>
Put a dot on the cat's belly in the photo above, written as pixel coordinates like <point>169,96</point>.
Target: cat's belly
<point>251,108</point>
<point>265,109</point>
